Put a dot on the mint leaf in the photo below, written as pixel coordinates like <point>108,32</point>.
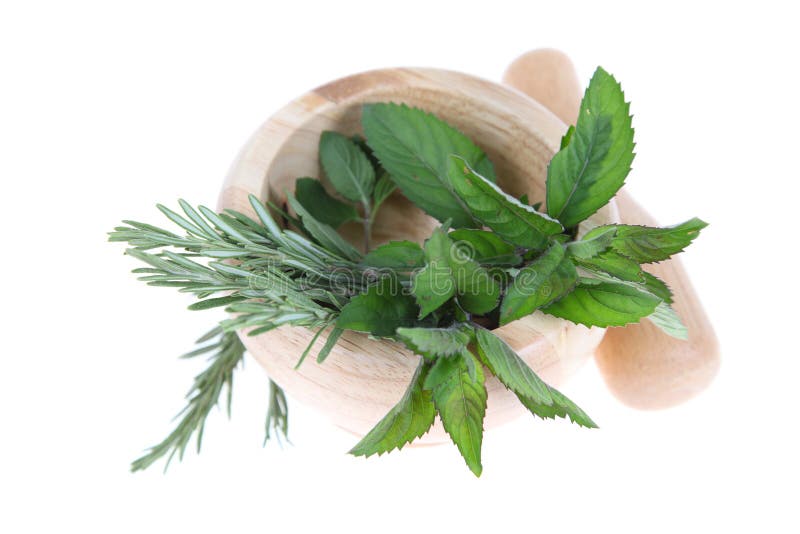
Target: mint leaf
<point>645,244</point>
<point>657,287</point>
<point>380,311</point>
<point>477,290</point>
<point>510,369</point>
<point>549,277</point>
<point>409,419</point>
<point>593,243</point>
<point>615,265</point>
<point>603,303</point>
<point>561,407</point>
<point>461,402</point>
<point>383,188</point>
<point>432,287</point>
<point>668,320</point>
<point>322,233</point>
<point>567,137</point>
<point>413,146</point>
<point>325,208</point>
<point>347,167</point>
<point>447,274</point>
<point>485,247</point>
<point>584,175</point>
<point>399,255</point>
<point>435,342</point>
<point>508,217</point>
<point>441,371</point>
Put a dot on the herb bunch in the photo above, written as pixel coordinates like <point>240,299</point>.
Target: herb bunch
<point>494,259</point>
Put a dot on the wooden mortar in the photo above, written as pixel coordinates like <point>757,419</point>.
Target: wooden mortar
<point>363,377</point>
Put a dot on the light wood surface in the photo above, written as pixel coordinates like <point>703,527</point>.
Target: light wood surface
<point>363,378</point>
<point>641,365</point>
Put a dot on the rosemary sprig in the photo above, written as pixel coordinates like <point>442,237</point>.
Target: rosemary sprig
<point>226,353</point>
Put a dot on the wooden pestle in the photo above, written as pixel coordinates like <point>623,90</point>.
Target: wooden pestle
<point>642,366</point>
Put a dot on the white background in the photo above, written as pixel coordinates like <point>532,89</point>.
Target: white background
<point>108,108</point>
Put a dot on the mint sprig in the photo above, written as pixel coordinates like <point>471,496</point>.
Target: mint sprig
<point>495,259</point>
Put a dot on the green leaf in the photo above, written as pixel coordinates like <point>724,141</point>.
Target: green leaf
<point>549,277</point>
<point>447,274</point>
<point>309,347</point>
<point>324,234</point>
<point>561,407</point>
<point>510,369</point>
<point>383,188</point>
<point>433,286</point>
<point>461,402</point>
<point>508,217</point>
<point>400,255</point>
<point>347,167</point>
<point>485,247</point>
<point>380,311</point>
<point>657,287</point>
<point>326,209</point>
<point>603,303</point>
<point>435,342</point>
<point>413,146</point>
<point>585,174</point>
<point>645,244</point>
<point>333,338</point>
<point>614,264</point>
<point>207,304</point>
<point>565,140</point>
<point>668,320</point>
<point>592,245</point>
<point>409,419</point>
<point>440,372</point>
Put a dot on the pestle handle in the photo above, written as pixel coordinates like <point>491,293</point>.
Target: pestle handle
<point>642,366</point>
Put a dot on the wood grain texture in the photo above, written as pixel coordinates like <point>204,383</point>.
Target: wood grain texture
<point>363,378</point>
<point>641,365</point>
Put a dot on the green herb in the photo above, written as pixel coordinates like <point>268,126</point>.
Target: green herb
<point>494,260</point>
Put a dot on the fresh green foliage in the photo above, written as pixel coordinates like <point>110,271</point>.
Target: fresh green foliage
<point>593,243</point>
<point>226,352</point>
<point>547,278</point>
<point>409,419</point>
<point>379,311</point>
<point>561,407</point>
<point>645,244</point>
<point>277,414</point>
<point>590,169</point>
<point>447,274</point>
<point>414,147</point>
<point>603,303</point>
<point>433,343</point>
<point>508,217</point>
<point>384,187</point>
<point>613,264</point>
<point>504,260</point>
<point>315,199</point>
<point>509,368</point>
<point>460,399</point>
<point>667,320</point>
<point>324,234</point>
<point>399,255</point>
<point>347,167</point>
<point>487,248</point>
